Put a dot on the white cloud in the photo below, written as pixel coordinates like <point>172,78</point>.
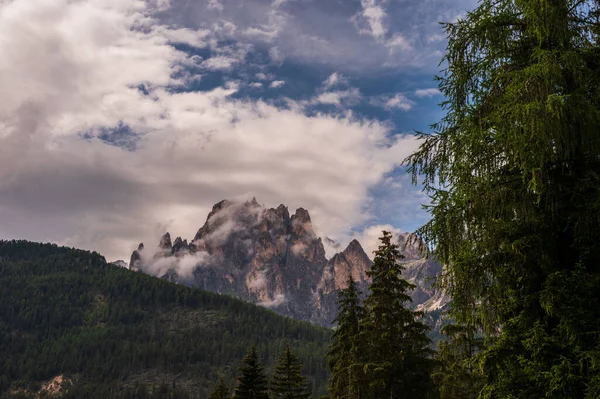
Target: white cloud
<point>215,5</point>
<point>279,299</point>
<point>334,79</point>
<point>276,84</point>
<point>263,76</point>
<point>398,41</point>
<point>427,92</point>
<point>398,101</point>
<point>183,265</point>
<point>73,67</point>
<point>371,19</point>
<point>256,85</point>
<point>350,96</point>
<point>369,237</point>
<point>220,63</point>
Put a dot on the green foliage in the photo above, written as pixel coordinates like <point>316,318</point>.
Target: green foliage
<point>458,375</point>
<point>67,312</point>
<point>381,350</point>
<point>345,352</point>
<point>513,172</point>
<point>221,391</point>
<point>252,381</point>
<point>287,381</point>
<point>398,357</point>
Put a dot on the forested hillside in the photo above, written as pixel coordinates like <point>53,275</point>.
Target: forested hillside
<point>112,333</point>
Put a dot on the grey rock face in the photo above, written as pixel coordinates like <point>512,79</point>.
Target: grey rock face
<point>265,256</point>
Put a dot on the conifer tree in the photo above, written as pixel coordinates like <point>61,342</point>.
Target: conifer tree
<point>398,355</point>
<point>344,355</point>
<point>287,381</point>
<point>513,172</point>
<point>458,374</point>
<point>252,381</point>
<point>220,391</point>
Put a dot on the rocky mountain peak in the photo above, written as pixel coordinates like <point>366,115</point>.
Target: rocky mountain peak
<point>282,212</point>
<point>265,256</point>
<point>301,216</point>
<point>180,246</point>
<point>165,242</point>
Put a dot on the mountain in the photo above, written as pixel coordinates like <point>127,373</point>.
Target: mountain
<point>268,257</point>
<point>71,323</point>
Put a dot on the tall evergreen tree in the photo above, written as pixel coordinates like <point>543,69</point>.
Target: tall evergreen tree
<point>345,354</point>
<point>252,382</point>
<point>513,172</point>
<point>458,374</point>
<point>287,381</point>
<point>398,355</point>
<point>220,391</point>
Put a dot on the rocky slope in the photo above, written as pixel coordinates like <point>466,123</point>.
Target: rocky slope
<point>269,257</point>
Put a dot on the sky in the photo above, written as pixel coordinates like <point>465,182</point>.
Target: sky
<point>123,119</point>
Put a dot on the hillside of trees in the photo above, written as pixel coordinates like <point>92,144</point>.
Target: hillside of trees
<point>113,333</point>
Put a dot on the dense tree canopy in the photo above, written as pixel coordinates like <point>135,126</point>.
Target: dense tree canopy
<point>513,172</point>
<point>121,334</point>
<point>345,351</point>
<point>398,356</point>
<point>220,391</point>
<point>287,381</point>
<point>252,381</point>
<point>380,350</point>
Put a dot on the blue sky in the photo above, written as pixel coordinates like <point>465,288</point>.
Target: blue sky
<point>126,118</point>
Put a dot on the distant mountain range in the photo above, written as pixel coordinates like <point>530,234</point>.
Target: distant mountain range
<point>270,258</point>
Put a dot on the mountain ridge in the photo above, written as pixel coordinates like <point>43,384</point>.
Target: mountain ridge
<point>68,315</point>
<point>269,257</point>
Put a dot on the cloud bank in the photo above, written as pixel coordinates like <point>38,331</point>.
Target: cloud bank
<point>104,143</point>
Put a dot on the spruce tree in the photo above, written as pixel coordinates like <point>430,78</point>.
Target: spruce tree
<point>345,354</point>
<point>513,173</point>
<point>398,355</point>
<point>220,391</point>
<point>252,381</point>
<point>458,374</point>
<point>287,381</point>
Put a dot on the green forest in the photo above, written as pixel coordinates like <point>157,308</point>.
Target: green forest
<point>512,173</point>
<point>120,334</point>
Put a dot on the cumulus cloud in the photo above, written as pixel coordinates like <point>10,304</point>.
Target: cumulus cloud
<point>399,102</point>
<point>427,92</point>
<point>369,237</point>
<point>390,103</point>
<point>73,69</point>
<point>215,5</point>
<point>339,97</point>
<point>398,41</point>
<point>276,84</point>
<point>220,63</point>
<point>334,79</point>
<point>371,18</point>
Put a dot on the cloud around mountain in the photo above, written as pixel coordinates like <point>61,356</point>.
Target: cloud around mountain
<point>120,118</point>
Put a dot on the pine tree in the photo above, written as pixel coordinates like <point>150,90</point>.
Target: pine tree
<point>287,381</point>
<point>220,391</point>
<point>398,354</point>
<point>344,355</point>
<point>457,374</point>
<point>513,172</point>
<point>252,383</point>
